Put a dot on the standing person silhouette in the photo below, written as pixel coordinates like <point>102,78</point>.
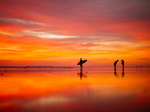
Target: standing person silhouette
<point>122,62</point>
<point>115,65</point>
<point>81,62</point>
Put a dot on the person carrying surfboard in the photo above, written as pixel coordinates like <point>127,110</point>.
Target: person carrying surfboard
<point>81,62</point>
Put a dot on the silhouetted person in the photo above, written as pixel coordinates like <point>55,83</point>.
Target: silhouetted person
<point>81,62</point>
<point>122,62</point>
<point>115,65</point>
<point>81,69</point>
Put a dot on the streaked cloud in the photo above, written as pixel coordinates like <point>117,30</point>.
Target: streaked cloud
<point>20,21</point>
<point>45,35</point>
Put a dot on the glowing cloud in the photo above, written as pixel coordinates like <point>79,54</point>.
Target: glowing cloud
<point>45,35</point>
<point>20,21</point>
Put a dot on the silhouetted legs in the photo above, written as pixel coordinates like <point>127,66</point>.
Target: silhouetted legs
<point>122,68</point>
<point>81,67</point>
<point>114,68</point>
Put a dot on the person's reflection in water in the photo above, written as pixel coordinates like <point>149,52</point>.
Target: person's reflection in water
<point>81,74</point>
<point>115,73</point>
<point>123,74</point>
<point>136,68</point>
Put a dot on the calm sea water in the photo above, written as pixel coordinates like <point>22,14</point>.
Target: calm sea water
<point>69,90</point>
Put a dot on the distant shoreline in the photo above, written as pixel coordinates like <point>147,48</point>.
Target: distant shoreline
<point>35,67</point>
<point>70,67</point>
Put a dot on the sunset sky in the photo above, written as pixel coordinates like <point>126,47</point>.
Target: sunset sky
<point>60,32</point>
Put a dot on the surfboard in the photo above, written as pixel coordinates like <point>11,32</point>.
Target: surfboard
<point>82,62</point>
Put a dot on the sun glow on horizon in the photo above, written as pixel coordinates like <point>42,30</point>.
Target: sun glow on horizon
<point>60,33</point>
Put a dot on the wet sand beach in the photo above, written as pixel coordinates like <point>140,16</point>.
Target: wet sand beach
<point>67,90</point>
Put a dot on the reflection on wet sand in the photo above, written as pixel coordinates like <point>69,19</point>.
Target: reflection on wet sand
<point>62,91</point>
<point>81,74</point>
<point>115,73</point>
<point>123,74</point>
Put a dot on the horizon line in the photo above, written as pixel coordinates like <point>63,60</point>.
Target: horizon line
<point>140,66</point>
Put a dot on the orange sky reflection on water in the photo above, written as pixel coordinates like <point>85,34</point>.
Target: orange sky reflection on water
<point>64,91</point>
